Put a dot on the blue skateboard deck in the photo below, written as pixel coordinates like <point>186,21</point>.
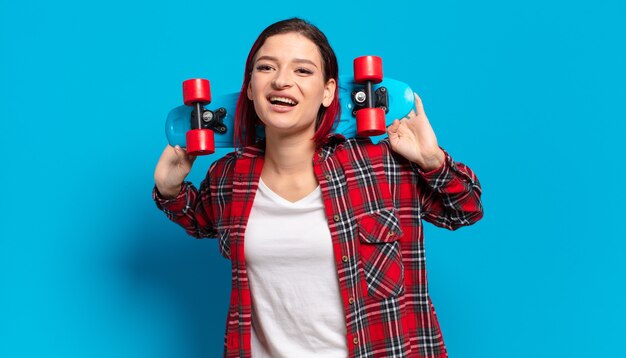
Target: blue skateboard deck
<point>400,96</point>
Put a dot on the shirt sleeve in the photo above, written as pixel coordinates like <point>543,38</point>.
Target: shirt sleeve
<point>191,209</point>
<point>452,198</point>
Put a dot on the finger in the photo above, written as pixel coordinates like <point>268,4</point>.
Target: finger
<point>183,156</point>
<point>393,127</point>
<point>419,106</point>
<point>181,153</point>
<point>169,154</point>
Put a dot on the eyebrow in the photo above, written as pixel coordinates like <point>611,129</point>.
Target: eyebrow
<point>297,60</point>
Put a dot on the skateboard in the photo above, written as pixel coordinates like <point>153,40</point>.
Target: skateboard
<point>368,103</point>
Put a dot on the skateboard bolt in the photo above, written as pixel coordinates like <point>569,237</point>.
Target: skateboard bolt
<point>360,97</point>
<point>207,116</point>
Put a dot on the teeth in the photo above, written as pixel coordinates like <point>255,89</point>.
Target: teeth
<point>283,99</point>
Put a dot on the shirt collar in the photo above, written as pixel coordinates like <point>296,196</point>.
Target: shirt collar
<point>329,146</point>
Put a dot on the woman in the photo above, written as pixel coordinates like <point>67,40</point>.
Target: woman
<point>324,233</point>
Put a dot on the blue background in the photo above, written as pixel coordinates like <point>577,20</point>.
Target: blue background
<point>530,94</point>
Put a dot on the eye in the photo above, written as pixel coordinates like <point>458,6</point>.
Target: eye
<point>304,71</point>
<point>263,68</point>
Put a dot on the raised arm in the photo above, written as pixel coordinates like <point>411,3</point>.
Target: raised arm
<point>180,200</point>
<point>452,196</point>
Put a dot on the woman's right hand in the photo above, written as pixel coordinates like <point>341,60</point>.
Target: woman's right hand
<point>171,170</point>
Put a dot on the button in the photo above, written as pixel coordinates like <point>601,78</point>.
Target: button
<point>344,258</point>
<point>351,300</point>
<point>328,177</point>
<point>355,340</point>
<point>336,218</point>
<point>320,154</point>
<point>391,233</point>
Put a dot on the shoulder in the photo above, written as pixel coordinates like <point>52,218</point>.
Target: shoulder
<point>247,156</point>
<point>379,157</point>
<point>223,166</point>
<point>364,147</point>
<point>361,149</point>
<point>226,160</point>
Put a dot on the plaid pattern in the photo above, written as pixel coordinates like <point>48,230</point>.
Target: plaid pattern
<point>375,201</point>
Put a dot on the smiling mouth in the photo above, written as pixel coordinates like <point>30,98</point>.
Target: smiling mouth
<point>283,101</point>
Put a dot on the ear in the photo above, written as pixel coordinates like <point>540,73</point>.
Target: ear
<point>249,90</point>
<point>329,92</point>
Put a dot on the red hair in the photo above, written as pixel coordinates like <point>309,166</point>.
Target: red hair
<point>246,117</point>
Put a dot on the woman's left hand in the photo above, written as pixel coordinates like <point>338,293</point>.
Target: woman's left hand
<point>414,138</point>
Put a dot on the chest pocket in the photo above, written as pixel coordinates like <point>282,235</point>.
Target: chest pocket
<point>381,257</point>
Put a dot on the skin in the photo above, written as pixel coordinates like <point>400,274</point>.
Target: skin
<point>414,138</point>
<point>290,65</point>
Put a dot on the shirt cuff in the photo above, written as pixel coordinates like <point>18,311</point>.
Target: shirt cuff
<point>173,205</point>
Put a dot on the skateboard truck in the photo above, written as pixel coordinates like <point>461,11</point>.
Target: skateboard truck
<point>200,138</point>
<point>381,99</point>
<point>370,106</point>
<point>213,120</point>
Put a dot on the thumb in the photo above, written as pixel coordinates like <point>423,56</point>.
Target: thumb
<point>183,157</point>
<point>191,158</point>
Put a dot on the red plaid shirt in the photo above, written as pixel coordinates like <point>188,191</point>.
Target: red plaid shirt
<point>375,201</point>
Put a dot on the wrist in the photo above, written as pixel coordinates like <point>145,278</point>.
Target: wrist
<point>433,162</point>
<point>169,192</point>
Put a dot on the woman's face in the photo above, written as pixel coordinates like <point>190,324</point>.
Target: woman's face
<point>287,84</point>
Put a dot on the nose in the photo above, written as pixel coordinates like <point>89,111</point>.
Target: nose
<point>282,80</point>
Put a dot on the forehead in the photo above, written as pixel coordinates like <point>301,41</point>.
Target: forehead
<point>289,46</point>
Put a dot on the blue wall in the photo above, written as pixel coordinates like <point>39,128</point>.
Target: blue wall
<point>531,95</point>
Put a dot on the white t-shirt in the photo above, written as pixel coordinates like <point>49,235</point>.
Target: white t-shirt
<point>296,304</point>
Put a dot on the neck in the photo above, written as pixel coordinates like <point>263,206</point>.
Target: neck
<point>289,155</point>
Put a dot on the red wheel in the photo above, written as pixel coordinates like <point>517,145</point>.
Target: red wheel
<point>368,68</point>
<point>370,122</point>
<point>196,90</point>
<point>200,142</point>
